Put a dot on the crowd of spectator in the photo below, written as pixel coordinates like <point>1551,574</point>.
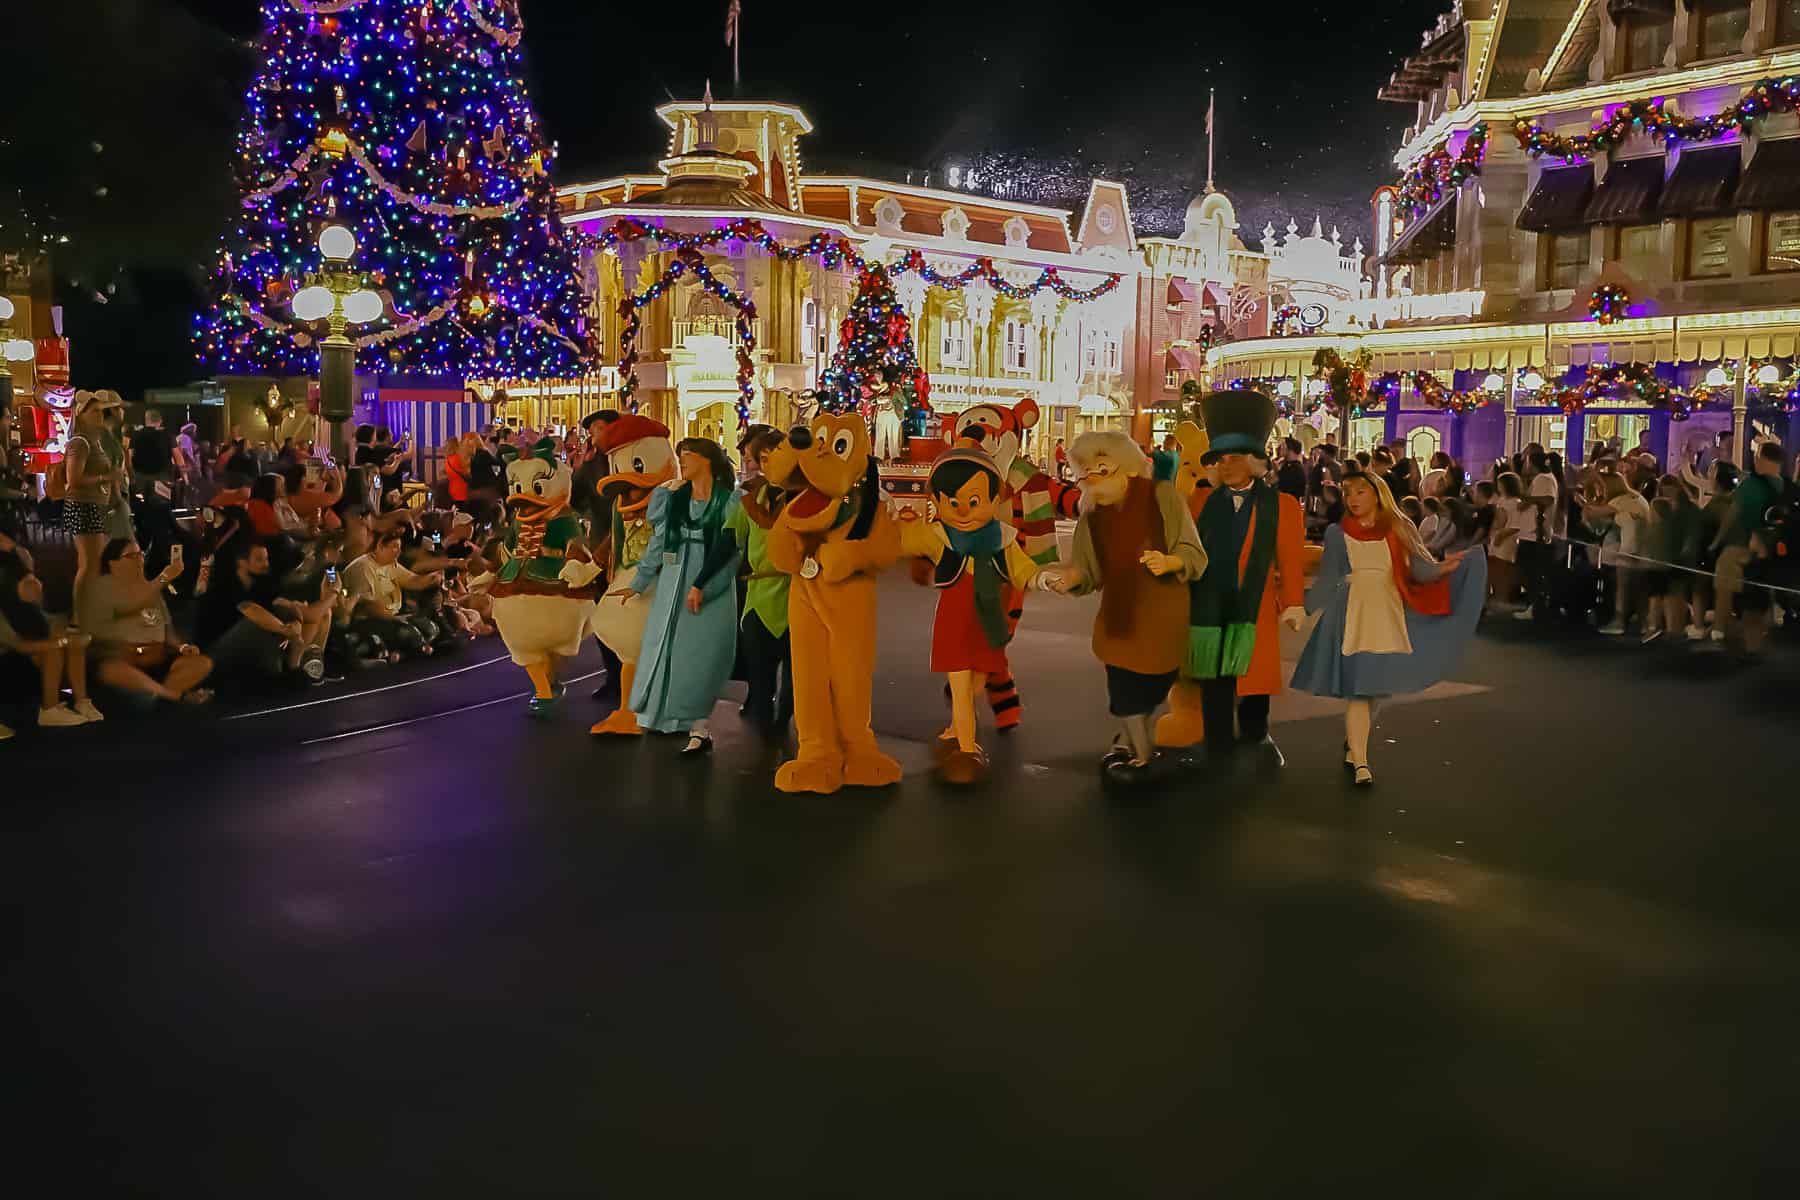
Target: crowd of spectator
<point>190,569</point>
<point>1705,552</point>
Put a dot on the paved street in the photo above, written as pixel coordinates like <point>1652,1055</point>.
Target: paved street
<point>411,943</point>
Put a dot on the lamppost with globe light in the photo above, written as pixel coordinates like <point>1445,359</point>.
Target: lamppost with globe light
<point>12,350</point>
<point>340,296</point>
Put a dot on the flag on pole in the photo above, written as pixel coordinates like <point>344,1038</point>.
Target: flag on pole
<point>1209,95</point>
<point>732,15</point>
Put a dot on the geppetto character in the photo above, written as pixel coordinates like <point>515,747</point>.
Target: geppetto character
<point>980,572</point>
<point>1136,545</point>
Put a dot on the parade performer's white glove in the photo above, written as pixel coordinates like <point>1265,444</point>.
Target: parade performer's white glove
<point>1294,618</point>
<point>578,574</point>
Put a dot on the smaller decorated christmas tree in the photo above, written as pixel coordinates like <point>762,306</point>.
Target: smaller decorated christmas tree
<point>875,359</point>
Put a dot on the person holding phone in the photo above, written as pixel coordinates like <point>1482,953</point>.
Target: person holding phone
<point>135,647</point>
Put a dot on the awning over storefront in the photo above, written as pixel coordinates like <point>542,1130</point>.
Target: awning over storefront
<point>1184,358</point>
<point>1559,201</point>
<point>1216,295</point>
<point>1704,183</point>
<point>1629,193</point>
<point>1429,235</point>
<point>1181,292</point>
<point>1772,180</point>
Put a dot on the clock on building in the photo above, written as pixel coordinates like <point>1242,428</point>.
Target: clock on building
<point>1106,218</point>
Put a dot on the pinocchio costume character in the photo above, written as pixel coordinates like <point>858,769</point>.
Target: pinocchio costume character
<point>1255,542</point>
<point>1135,544</point>
<point>980,571</point>
<point>1031,502</point>
<point>639,458</point>
<point>545,591</point>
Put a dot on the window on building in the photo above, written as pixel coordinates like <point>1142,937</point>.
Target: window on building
<point>1646,37</point>
<point>809,329</point>
<point>1422,443</point>
<point>1090,351</point>
<point>1787,21</point>
<point>1566,261</point>
<point>953,341</point>
<point>1016,346</point>
<point>1110,353</point>
<point>1782,245</point>
<point>1171,379</point>
<point>1723,24</point>
<point>1709,247</point>
<point>1639,248</point>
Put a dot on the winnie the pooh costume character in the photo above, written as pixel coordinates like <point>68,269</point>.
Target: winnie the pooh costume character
<point>639,458</point>
<point>833,537</point>
<point>544,592</point>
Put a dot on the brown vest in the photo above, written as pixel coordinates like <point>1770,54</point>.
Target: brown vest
<point>1143,619</point>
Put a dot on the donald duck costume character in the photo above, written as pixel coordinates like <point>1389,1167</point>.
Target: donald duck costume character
<point>545,591</point>
<point>639,458</point>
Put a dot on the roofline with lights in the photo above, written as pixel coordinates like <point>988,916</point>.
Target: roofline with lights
<point>667,109</point>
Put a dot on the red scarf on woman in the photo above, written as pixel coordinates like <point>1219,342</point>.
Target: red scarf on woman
<point>1428,599</point>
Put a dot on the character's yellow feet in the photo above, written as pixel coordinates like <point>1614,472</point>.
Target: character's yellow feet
<point>623,723</point>
<point>822,776</point>
<point>1183,725</point>
<point>870,768</point>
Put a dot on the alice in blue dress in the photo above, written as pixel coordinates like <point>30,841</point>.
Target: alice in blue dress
<point>686,657</point>
<point>1369,643</point>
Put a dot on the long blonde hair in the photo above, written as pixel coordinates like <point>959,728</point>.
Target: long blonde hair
<point>1388,513</point>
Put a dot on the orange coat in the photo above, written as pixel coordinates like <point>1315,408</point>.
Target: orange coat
<point>1286,589</point>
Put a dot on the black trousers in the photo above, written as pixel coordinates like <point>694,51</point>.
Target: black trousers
<point>1220,704</point>
<point>1535,562</point>
<point>767,657</point>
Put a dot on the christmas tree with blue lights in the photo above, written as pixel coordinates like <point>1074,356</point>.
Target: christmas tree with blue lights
<point>408,122</point>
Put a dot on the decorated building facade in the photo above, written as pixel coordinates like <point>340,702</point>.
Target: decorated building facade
<point>719,284</point>
<point>1595,235</point>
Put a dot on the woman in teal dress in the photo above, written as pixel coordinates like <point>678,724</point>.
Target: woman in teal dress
<point>690,637</point>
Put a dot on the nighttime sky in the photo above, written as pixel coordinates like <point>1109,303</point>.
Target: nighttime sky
<point>156,83</point>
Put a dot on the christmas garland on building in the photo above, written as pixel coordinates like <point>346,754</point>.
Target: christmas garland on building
<point>1637,379</point>
<point>834,251</point>
<point>1651,117</point>
<point>1424,184</point>
<point>689,261</point>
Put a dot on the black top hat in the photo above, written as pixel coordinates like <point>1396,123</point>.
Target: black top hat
<point>1238,421</point>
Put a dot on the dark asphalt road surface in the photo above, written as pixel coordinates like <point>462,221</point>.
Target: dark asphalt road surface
<point>412,943</point>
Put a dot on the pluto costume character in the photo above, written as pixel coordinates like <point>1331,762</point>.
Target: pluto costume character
<point>639,458</point>
<point>834,537</point>
<point>1032,503</point>
<point>545,591</point>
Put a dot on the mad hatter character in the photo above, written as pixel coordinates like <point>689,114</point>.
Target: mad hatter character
<point>1255,539</point>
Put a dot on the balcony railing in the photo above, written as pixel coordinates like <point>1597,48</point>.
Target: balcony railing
<point>713,326</point>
